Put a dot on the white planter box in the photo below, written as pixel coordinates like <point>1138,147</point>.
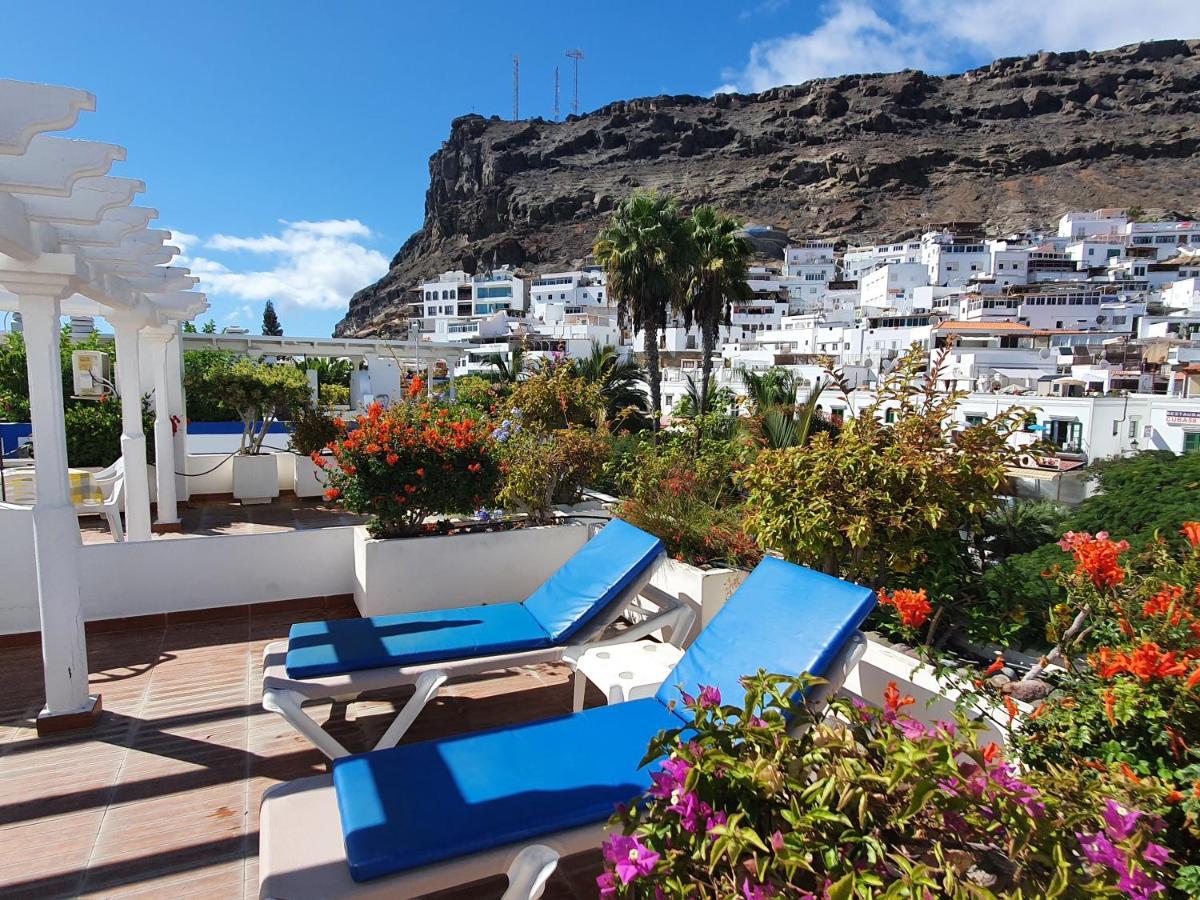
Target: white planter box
<point>423,573</point>
<point>705,589</point>
<point>309,481</point>
<point>255,478</point>
<point>934,699</point>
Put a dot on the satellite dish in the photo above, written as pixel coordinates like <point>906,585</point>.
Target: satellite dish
<point>1101,319</point>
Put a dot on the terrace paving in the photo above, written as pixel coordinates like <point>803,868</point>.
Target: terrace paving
<point>161,799</point>
<point>216,516</point>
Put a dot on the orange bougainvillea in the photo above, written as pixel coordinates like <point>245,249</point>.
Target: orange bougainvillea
<point>1096,557</point>
<point>913,607</point>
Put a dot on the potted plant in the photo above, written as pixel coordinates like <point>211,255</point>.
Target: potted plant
<point>259,393</point>
<point>313,431</point>
<point>413,462</point>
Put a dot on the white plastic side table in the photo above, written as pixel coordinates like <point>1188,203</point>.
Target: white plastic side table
<point>625,671</point>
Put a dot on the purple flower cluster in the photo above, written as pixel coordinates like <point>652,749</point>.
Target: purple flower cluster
<point>1102,849</point>
<point>629,858</point>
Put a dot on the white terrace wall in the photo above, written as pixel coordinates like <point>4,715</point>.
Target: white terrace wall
<point>212,473</point>
<point>175,574</point>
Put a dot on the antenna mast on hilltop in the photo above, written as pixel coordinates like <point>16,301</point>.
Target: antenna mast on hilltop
<point>516,87</point>
<point>556,92</point>
<point>576,55</point>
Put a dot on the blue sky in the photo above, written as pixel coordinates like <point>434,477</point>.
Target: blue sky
<point>287,142</point>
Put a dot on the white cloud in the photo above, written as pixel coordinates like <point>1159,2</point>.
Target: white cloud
<point>938,35</point>
<point>182,240</point>
<point>317,265</point>
<point>239,314</point>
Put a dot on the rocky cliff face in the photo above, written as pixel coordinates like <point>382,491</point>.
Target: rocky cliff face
<point>1012,144</point>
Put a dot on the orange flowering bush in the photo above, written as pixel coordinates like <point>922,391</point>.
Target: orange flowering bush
<point>404,464</point>
<point>1133,711</point>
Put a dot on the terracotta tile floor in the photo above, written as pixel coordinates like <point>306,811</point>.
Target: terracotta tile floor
<point>161,799</point>
<point>216,516</point>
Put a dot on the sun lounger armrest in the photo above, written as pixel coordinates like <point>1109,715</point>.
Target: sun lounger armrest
<point>675,614</point>
<point>529,872</point>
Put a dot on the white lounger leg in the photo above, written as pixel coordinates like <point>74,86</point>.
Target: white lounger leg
<point>427,687</point>
<point>288,705</point>
<point>529,872</point>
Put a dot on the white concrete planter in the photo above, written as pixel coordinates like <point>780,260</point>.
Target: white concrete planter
<point>705,589</point>
<point>423,573</point>
<point>255,478</point>
<point>934,698</point>
<point>309,481</point>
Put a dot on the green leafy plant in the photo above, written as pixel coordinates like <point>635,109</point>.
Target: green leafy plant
<point>620,386</point>
<point>312,429</point>
<point>333,395</point>
<point>764,799</point>
<point>686,497</point>
<point>402,465</point>
<point>555,397</point>
<point>477,393</point>
<point>205,402</point>
<point>260,393</point>
<point>542,468</point>
<point>866,504</point>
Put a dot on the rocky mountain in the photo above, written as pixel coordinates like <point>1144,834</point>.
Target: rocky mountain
<point>1012,144</point>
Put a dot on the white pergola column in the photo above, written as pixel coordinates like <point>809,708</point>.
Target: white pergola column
<point>133,441</point>
<point>56,540</point>
<point>157,342</point>
<point>177,400</point>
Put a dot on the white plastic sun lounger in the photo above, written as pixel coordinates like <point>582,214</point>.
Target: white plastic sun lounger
<point>340,659</point>
<point>432,815</point>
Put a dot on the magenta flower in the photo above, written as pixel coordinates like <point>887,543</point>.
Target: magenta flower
<point>630,857</point>
<point>1120,822</point>
<point>670,779</point>
<point>1100,850</point>
<point>776,841</point>
<point>607,883</point>
<point>715,821</point>
<point>1156,853</point>
<point>1139,886</point>
<point>709,696</point>
<point>757,891</point>
<point>690,809</point>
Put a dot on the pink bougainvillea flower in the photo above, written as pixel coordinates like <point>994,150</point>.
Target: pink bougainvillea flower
<point>709,696</point>
<point>630,857</point>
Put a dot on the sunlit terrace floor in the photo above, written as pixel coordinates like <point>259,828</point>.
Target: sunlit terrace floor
<point>162,798</point>
<point>226,516</point>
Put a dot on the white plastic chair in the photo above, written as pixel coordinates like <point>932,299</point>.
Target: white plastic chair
<point>111,482</point>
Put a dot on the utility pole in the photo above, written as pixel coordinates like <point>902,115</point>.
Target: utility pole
<point>556,93</point>
<point>576,55</point>
<point>516,87</point>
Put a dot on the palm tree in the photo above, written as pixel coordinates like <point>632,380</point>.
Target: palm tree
<point>786,421</point>
<point>769,389</point>
<point>718,278</point>
<point>646,251</point>
<point>1021,526</point>
<point>508,370</point>
<point>619,381</point>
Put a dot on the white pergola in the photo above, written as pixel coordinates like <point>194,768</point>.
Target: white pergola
<point>71,243</point>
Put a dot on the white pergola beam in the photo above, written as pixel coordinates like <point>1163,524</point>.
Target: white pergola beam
<point>30,109</point>
<point>52,166</point>
<point>90,199</point>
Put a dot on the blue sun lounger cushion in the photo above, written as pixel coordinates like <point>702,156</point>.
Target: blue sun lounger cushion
<point>571,600</point>
<point>432,801</point>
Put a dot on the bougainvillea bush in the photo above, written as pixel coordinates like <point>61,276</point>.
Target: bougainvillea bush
<point>414,460</point>
<point>871,803</point>
<point>1128,707</point>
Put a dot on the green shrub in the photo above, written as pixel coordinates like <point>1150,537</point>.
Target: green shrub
<point>333,395</point>
<point>542,468</point>
<point>478,393</point>
<point>205,402</point>
<point>260,394</point>
<point>555,397</point>
<point>312,429</point>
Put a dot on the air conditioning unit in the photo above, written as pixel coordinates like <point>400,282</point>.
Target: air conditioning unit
<point>89,374</point>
